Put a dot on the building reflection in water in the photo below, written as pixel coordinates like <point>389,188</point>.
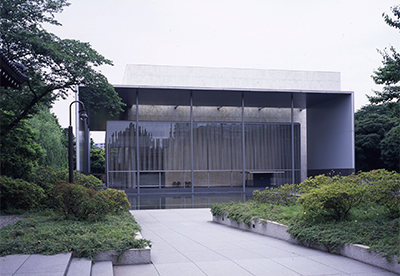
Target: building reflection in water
<point>143,202</point>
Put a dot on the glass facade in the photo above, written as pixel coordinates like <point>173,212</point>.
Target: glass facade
<point>158,153</point>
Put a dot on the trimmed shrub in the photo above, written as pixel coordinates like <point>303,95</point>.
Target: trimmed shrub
<point>383,188</point>
<point>19,194</point>
<point>331,198</point>
<point>81,203</point>
<point>88,181</point>
<point>315,182</point>
<point>119,199</point>
<point>283,195</point>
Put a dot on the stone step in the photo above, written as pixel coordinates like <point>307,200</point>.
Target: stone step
<point>80,267</point>
<point>103,269</point>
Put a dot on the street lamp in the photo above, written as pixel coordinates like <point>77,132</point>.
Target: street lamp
<point>83,116</point>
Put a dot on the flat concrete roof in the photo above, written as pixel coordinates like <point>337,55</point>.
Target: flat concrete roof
<point>174,85</point>
<point>229,78</point>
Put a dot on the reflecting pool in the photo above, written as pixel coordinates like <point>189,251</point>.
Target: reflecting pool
<point>181,199</point>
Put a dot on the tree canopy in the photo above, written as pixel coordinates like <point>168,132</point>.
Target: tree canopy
<point>376,138</point>
<point>54,65</point>
<point>51,138</point>
<point>388,74</point>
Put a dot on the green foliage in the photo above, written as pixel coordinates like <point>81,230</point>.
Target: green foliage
<point>252,210</point>
<point>389,74</point>
<point>19,194</point>
<point>220,209</point>
<point>285,194</point>
<point>88,181</point>
<point>383,187</point>
<point>366,226</point>
<point>241,212</point>
<point>44,177</point>
<point>372,125</point>
<point>331,197</point>
<point>119,198</point>
<point>97,162</point>
<point>54,65</point>
<point>51,138</point>
<point>390,149</point>
<point>373,198</point>
<point>44,233</point>
<point>75,201</point>
<point>19,152</point>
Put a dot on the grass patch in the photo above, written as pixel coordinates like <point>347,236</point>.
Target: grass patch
<point>367,224</point>
<point>46,233</point>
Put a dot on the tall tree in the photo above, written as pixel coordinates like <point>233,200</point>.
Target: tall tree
<point>389,74</point>
<point>20,152</point>
<point>376,142</point>
<point>54,65</point>
<point>390,148</point>
<point>51,138</point>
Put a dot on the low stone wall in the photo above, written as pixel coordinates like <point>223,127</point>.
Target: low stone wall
<point>128,257</point>
<point>276,230</point>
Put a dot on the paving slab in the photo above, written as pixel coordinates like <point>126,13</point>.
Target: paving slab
<point>10,264</point>
<point>186,242</point>
<point>54,265</point>
<point>80,267</point>
<point>102,269</point>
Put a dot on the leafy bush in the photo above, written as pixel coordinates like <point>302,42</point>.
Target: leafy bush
<point>315,182</point>
<point>219,209</point>
<point>19,194</point>
<point>120,200</point>
<point>332,197</point>
<point>88,181</point>
<point>76,201</point>
<point>283,195</point>
<point>383,188</point>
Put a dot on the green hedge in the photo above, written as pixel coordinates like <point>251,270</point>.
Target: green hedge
<point>19,194</point>
<point>77,202</point>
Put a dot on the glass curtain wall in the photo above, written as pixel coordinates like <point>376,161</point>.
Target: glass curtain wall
<point>158,152</point>
<point>164,153</point>
<point>121,154</point>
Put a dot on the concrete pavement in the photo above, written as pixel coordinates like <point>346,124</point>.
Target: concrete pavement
<point>186,242</point>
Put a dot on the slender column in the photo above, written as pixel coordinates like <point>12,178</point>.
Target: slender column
<point>137,143</point>
<point>292,123</point>
<point>191,140</point>
<point>243,149</point>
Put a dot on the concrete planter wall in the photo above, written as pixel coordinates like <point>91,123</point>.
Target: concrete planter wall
<point>276,230</point>
<point>128,257</point>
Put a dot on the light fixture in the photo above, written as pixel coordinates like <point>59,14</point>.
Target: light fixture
<point>83,116</point>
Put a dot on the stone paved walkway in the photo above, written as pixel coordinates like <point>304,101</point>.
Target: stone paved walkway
<point>186,242</point>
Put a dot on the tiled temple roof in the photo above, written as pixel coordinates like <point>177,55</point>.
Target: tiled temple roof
<point>12,73</point>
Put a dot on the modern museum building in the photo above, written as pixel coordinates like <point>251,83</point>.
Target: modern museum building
<point>196,127</point>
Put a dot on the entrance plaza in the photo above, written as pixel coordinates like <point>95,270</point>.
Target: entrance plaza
<point>186,242</point>
<point>192,128</point>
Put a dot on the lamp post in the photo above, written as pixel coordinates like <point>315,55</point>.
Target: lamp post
<point>83,116</point>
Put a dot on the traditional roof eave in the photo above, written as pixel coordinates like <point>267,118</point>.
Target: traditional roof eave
<point>12,73</point>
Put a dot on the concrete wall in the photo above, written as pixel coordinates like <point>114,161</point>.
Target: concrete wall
<point>330,132</point>
<point>184,76</point>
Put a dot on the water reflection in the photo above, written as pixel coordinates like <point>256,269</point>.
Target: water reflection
<point>143,202</point>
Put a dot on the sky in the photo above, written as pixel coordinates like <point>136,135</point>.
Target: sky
<point>312,35</point>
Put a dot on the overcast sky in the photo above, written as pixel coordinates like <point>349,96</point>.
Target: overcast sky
<point>315,35</point>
